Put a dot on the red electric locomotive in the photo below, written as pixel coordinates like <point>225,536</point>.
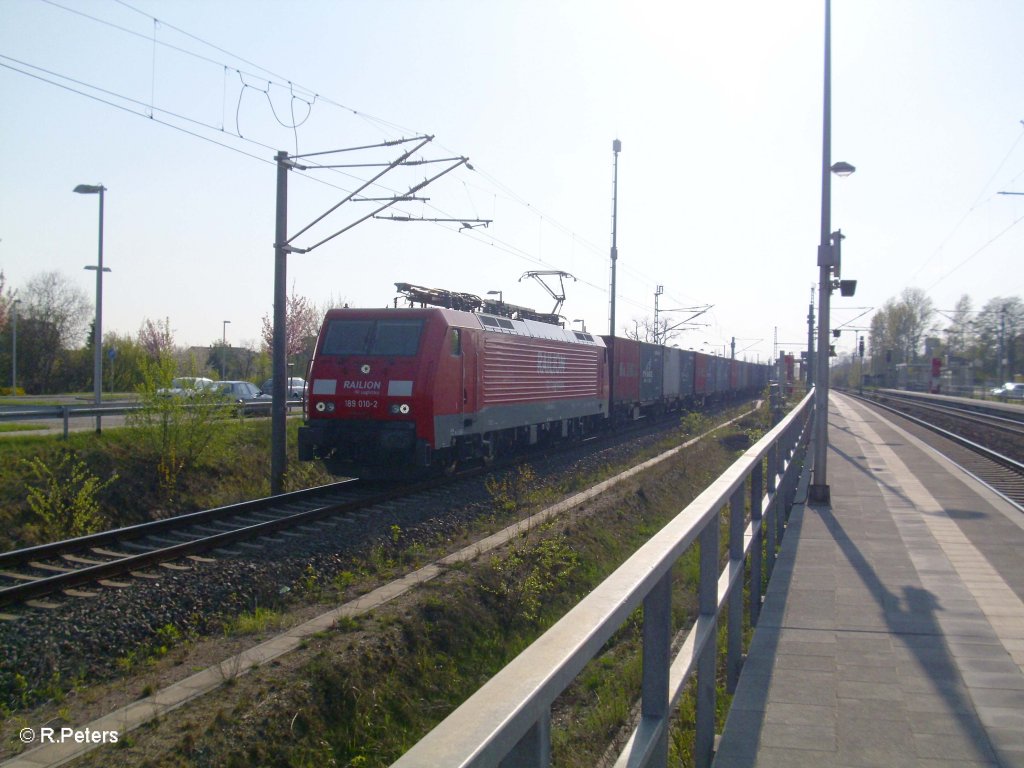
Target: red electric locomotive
<point>423,388</point>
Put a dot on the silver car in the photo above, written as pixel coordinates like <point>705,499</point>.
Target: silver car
<point>296,388</point>
<point>1010,390</point>
<point>186,386</point>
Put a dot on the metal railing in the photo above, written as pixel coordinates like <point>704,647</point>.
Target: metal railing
<point>507,722</point>
<point>65,413</point>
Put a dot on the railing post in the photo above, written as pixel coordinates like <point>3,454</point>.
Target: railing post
<point>734,656</point>
<point>773,503</point>
<point>784,494</point>
<point>66,410</point>
<point>657,633</point>
<point>534,749</point>
<point>756,569</point>
<point>704,740</point>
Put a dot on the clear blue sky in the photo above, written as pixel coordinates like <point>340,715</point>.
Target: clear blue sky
<point>717,105</point>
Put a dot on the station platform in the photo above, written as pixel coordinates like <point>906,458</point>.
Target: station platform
<point>892,632</point>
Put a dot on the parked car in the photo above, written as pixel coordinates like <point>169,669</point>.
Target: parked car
<point>186,386</point>
<point>1011,390</point>
<point>296,388</point>
<point>246,395</point>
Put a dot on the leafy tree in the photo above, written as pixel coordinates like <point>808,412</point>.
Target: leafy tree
<point>900,326</point>
<point>179,431</point>
<point>123,373</point>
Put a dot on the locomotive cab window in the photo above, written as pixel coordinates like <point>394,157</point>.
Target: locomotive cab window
<point>396,338</point>
<point>348,337</point>
<point>456,342</point>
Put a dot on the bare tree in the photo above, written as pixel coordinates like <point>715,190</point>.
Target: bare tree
<point>642,330</point>
<point>6,298</point>
<point>917,313</point>
<point>51,298</point>
<point>960,330</point>
<point>645,330</point>
<point>332,302</point>
<point>52,319</point>
<point>1000,324</point>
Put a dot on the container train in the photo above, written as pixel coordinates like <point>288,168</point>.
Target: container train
<point>398,390</point>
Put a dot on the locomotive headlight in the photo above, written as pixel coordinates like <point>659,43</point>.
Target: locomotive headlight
<point>404,408</point>
<point>321,406</point>
<point>330,407</point>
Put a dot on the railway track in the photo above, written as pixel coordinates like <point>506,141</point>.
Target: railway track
<point>1001,419</point>
<point>111,559</point>
<point>62,567</point>
<point>989,445</point>
<point>180,543</point>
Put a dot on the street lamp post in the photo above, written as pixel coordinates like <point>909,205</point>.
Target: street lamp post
<point>14,346</point>
<point>223,346</point>
<point>97,359</point>
<point>828,250</point>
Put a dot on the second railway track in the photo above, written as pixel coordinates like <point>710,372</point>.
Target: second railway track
<point>988,445</point>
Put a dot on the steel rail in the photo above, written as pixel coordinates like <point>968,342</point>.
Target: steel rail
<point>988,453</point>
<point>28,590</point>
<point>973,415</point>
<point>48,585</point>
<point>17,557</point>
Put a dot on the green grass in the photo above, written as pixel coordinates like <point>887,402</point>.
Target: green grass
<point>16,427</point>
<point>237,470</point>
<point>258,621</point>
<point>368,692</point>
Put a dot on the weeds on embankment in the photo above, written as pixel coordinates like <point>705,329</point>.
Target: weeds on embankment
<point>364,692</point>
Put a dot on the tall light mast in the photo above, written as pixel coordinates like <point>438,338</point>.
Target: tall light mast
<point>616,148</point>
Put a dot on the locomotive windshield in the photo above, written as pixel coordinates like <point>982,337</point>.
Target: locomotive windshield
<point>373,337</point>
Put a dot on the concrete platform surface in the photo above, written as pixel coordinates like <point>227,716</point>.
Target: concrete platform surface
<point>893,629</point>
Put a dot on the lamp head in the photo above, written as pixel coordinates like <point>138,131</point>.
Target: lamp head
<point>89,189</point>
<point>842,169</point>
